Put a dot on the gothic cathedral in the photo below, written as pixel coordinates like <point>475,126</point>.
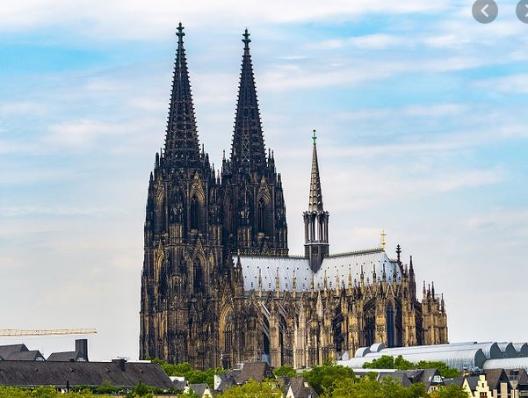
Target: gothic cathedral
<point>218,286</point>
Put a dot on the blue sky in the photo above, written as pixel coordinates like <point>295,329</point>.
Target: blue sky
<point>421,119</point>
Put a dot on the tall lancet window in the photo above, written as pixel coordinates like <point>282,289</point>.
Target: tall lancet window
<point>198,277</point>
<point>264,216</point>
<point>228,336</point>
<point>391,341</point>
<point>261,215</point>
<point>195,213</point>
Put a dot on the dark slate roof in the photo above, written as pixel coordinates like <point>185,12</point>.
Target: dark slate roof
<point>126,375</point>
<point>227,380</point>
<point>7,350</point>
<point>427,377</point>
<point>34,355</point>
<point>457,381</point>
<point>179,385</point>
<point>519,375</point>
<point>199,389</point>
<point>299,389</point>
<point>66,356</point>
<point>494,377</point>
<point>472,382</point>
<point>257,371</point>
<point>400,376</point>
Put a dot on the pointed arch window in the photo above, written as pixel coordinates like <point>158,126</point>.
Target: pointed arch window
<point>370,326</point>
<point>198,277</point>
<point>159,213</point>
<point>228,336</point>
<point>196,213</point>
<point>266,349</point>
<point>337,324</point>
<point>261,214</point>
<point>264,218</point>
<point>391,338</point>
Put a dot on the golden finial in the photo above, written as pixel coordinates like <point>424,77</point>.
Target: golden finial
<point>383,241</point>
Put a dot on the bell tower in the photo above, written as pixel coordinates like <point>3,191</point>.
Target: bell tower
<point>316,245</point>
<point>254,208</point>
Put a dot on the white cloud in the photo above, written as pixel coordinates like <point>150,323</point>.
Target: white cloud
<point>80,133</point>
<point>411,111</point>
<point>377,41</point>
<point>139,19</point>
<point>20,108</point>
<point>512,84</point>
<point>62,210</point>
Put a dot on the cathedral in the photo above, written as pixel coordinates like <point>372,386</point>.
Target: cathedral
<point>219,286</point>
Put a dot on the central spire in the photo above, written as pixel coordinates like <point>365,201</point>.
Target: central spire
<point>315,200</point>
<point>181,140</point>
<point>316,246</point>
<point>247,151</point>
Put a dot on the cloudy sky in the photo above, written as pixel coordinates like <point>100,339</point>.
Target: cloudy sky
<point>421,114</point>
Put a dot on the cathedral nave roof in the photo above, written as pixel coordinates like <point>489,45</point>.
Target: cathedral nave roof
<point>337,268</point>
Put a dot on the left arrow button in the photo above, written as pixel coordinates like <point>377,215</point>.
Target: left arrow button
<point>485,11</point>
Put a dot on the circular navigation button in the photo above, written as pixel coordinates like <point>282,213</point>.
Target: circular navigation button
<point>485,11</point>
<point>522,11</point>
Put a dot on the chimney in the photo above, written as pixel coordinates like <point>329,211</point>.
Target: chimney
<point>81,349</point>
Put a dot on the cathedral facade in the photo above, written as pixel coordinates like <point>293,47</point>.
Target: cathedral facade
<point>218,285</point>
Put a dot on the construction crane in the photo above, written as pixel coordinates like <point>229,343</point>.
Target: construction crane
<point>44,332</point>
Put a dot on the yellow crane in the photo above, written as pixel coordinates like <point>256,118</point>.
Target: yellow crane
<point>44,332</point>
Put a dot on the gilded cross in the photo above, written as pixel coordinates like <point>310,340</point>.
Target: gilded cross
<point>383,236</point>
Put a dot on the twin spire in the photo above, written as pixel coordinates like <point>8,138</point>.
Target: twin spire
<point>247,151</point>
<point>181,141</point>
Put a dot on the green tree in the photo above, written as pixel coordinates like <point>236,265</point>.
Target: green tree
<point>141,390</point>
<point>285,371</point>
<point>323,378</point>
<point>368,387</point>
<point>188,394</point>
<point>105,388</point>
<point>253,389</point>
<point>443,369</point>
<point>193,376</point>
<point>11,392</point>
<point>390,362</point>
<point>451,391</point>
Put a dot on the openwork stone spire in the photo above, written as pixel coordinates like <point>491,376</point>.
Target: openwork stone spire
<point>181,140</point>
<point>315,200</point>
<point>247,151</point>
<point>316,245</point>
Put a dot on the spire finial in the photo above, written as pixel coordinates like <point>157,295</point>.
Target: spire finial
<point>247,150</point>
<point>180,32</point>
<point>383,241</point>
<point>315,198</point>
<point>181,140</point>
<point>246,40</point>
<point>314,136</point>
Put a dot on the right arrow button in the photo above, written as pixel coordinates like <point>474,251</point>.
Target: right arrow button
<point>522,11</point>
